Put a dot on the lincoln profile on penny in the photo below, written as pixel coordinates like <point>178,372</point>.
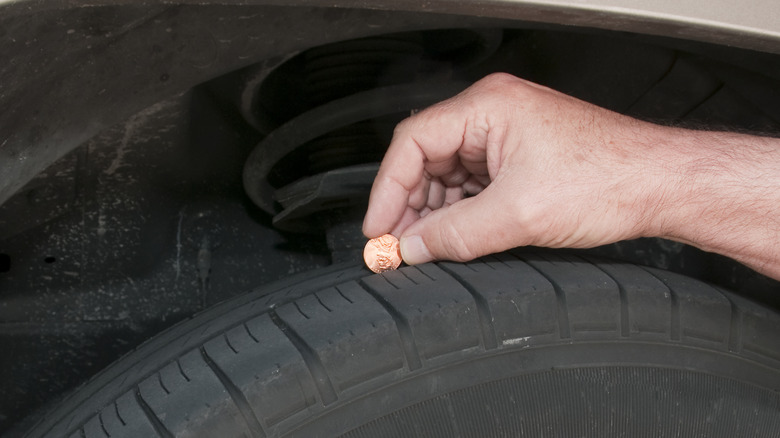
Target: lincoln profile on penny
<point>382,254</point>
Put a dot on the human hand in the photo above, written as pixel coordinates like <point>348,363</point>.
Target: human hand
<point>544,169</point>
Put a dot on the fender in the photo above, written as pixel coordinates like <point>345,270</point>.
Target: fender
<point>73,68</point>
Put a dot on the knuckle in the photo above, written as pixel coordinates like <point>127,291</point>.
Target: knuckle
<point>497,82</point>
<point>497,77</point>
<point>532,221</point>
<point>402,127</point>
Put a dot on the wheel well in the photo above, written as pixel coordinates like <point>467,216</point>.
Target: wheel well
<point>134,215</point>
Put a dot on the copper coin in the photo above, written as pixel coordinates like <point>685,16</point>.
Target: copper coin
<point>382,254</point>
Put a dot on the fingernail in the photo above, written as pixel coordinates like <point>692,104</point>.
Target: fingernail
<point>414,251</point>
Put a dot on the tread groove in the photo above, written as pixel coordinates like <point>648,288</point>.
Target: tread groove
<point>253,424</point>
<point>181,370</point>
<point>230,346</point>
<point>157,424</point>
<point>422,271</point>
<point>251,336</point>
<point>319,300</point>
<point>102,424</point>
<point>489,338</point>
<point>313,362</point>
<point>162,385</point>
<point>408,344</point>
<point>675,323</point>
<point>384,277</point>
<point>496,259</point>
<point>564,328</point>
<point>116,409</point>
<point>403,272</point>
<point>343,295</point>
<point>298,308</point>
<point>470,267</point>
<point>625,326</point>
<point>735,332</point>
<point>735,326</point>
<point>484,262</point>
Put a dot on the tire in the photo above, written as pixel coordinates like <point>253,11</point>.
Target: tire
<point>511,345</point>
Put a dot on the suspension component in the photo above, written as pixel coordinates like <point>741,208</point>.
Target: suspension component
<point>333,109</point>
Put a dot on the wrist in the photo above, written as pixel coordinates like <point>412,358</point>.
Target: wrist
<point>676,183</point>
<point>658,179</point>
<point>696,184</point>
<point>718,192</point>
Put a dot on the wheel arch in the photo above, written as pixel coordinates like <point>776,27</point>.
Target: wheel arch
<point>75,68</point>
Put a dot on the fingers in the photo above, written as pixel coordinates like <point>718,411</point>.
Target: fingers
<point>408,217</point>
<point>436,195</point>
<point>427,142</point>
<point>453,195</point>
<point>448,141</point>
<point>386,205</point>
<point>462,231</point>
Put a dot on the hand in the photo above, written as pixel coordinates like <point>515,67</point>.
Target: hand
<point>510,163</point>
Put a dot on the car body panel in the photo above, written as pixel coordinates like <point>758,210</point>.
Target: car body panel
<point>73,68</point>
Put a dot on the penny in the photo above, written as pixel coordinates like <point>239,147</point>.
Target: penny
<point>382,254</point>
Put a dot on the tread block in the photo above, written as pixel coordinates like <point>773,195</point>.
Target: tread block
<point>122,418</point>
<point>521,301</point>
<point>351,333</point>
<point>588,296</point>
<point>187,396</point>
<point>704,312</point>
<point>94,429</point>
<point>647,300</point>
<point>758,329</point>
<point>755,339</point>
<point>442,317</point>
<point>408,277</point>
<point>266,368</point>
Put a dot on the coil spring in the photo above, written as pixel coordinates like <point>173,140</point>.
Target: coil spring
<point>335,106</point>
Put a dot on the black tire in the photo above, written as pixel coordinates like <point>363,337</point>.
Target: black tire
<point>511,345</point>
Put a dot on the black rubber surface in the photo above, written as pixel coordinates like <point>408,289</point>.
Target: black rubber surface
<point>510,345</point>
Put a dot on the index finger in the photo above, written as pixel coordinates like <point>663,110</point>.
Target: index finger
<point>433,135</point>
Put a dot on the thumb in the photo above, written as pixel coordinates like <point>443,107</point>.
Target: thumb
<point>463,231</point>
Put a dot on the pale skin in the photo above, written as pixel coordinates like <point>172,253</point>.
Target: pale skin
<point>510,163</point>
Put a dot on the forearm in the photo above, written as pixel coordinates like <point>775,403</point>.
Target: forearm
<point>722,194</point>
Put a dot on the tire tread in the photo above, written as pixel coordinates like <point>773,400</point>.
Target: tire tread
<point>321,379</point>
<point>411,354</point>
<point>424,316</point>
